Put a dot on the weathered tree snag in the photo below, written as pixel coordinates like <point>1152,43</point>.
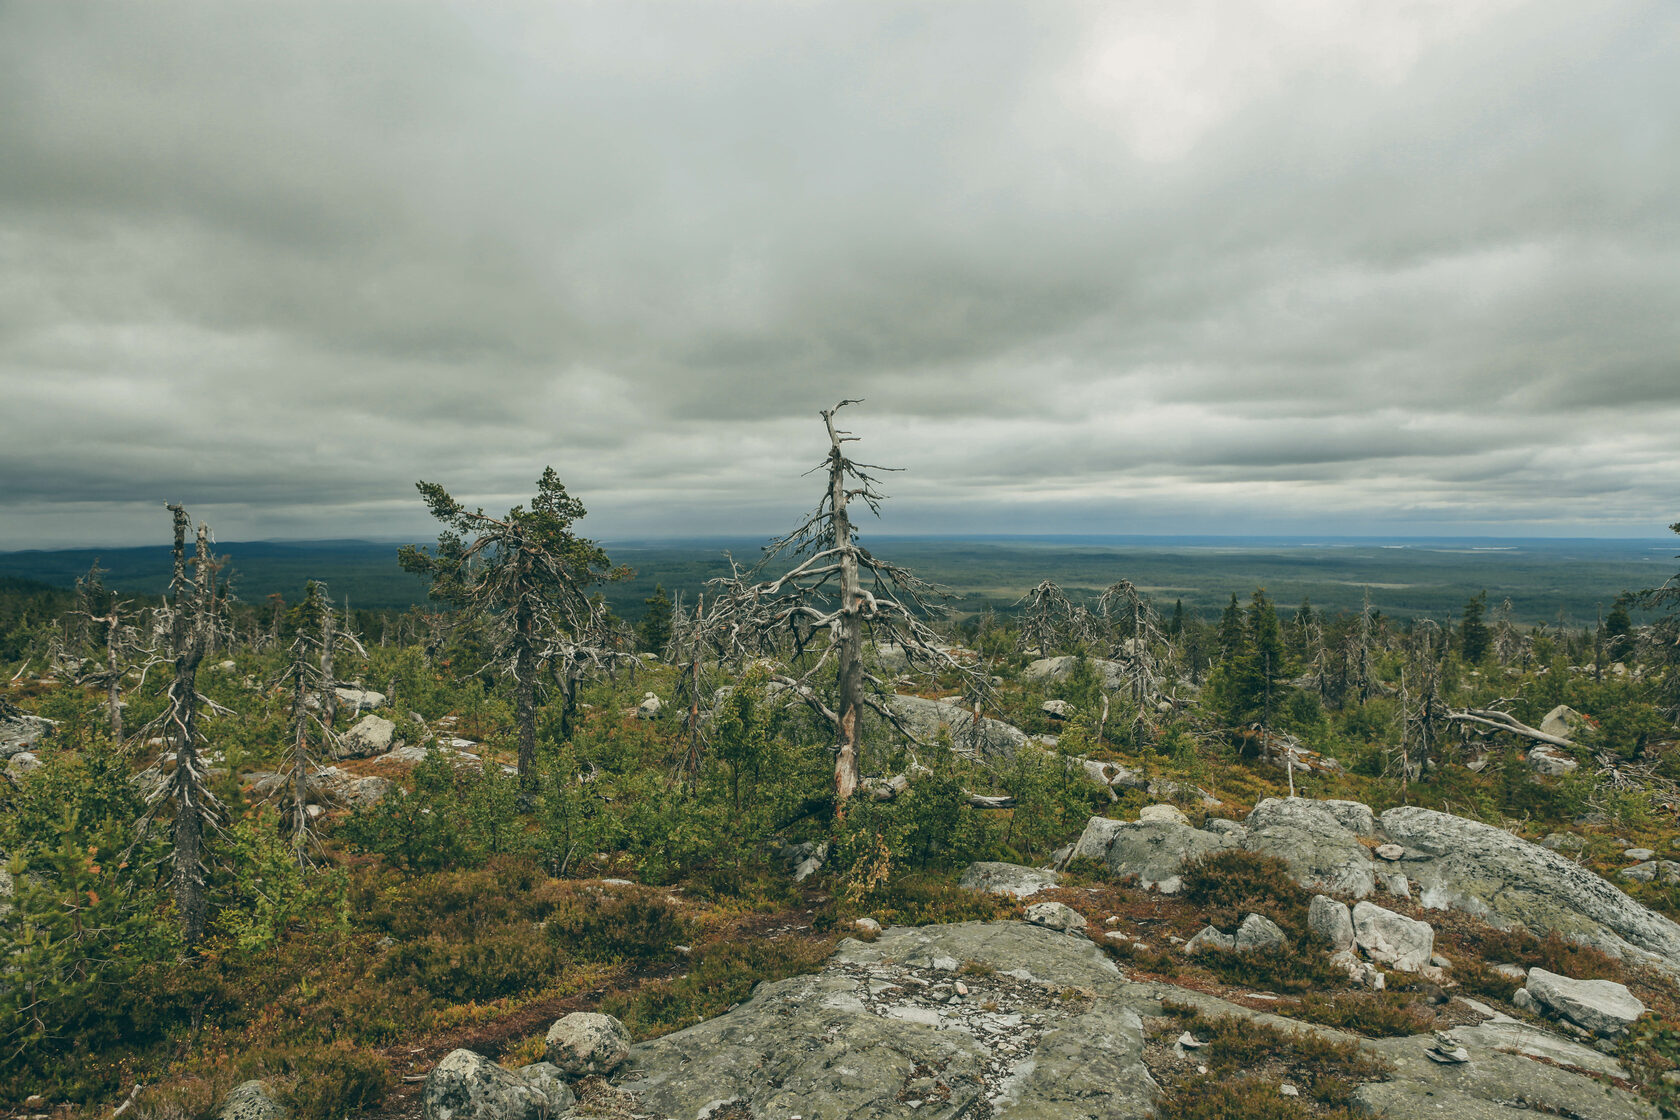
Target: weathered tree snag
<point>195,806</point>
<point>819,610</point>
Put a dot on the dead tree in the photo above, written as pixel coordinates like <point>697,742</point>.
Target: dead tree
<point>192,624</point>
<point>1140,633</point>
<point>102,608</point>
<point>526,576</point>
<point>1423,710</point>
<point>822,608</point>
<point>1049,620</point>
<point>307,669</point>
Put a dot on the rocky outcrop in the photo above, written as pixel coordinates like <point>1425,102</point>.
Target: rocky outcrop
<point>1319,840</point>
<point>1060,668</point>
<point>1007,878</point>
<point>924,719</point>
<point>19,731</point>
<point>880,1032</point>
<point>1603,1007</point>
<point>469,1086</point>
<point>1508,881</point>
<point>1042,1025</point>
<point>1153,851</point>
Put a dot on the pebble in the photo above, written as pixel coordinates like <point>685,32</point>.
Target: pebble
<point>962,989</point>
<point>1190,1041</point>
<point>1288,1090</point>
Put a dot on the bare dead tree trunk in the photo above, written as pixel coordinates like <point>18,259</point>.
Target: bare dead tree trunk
<point>329,684</point>
<point>693,760</point>
<point>849,648</point>
<point>189,787</point>
<point>298,824</point>
<point>525,697</point>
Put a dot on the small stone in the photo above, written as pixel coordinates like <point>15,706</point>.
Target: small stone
<point>1210,938</point>
<point>1639,854</point>
<point>1288,1090</point>
<point>1448,1057</point>
<point>1190,1041</point>
<point>868,925</point>
<point>1513,971</point>
<point>945,964</point>
<point>961,988</point>
<point>1390,851</point>
<point>1521,999</point>
<point>1439,961</point>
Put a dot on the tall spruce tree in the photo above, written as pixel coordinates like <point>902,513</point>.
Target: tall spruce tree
<point>1473,635</point>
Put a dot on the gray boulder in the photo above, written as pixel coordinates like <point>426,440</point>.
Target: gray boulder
<point>1055,709</point>
<point>1060,668</point>
<point>370,736</point>
<point>1603,1007</point>
<point>585,1042</point>
<point>1393,939</point>
<point>1652,871</point>
<point>1330,921</point>
<point>23,763</point>
<point>350,790</point>
<point>1168,814</point>
<point>1550,760</point>
<point>1508,881</point>
<point>358,699</point>
<point>469,1086</point>
<point>1155,851</point>
<point>649,707</point>
<point>19,731</point>
<point>1563,722</point>
<point>1209,938</point>
<point>250,1100</point>
<point>1007,878</point>
<point>1057,916</point>
<point>1258,932</point>
<point>1096,839</point>
<point>1319,840</point>
<point>925,718</point>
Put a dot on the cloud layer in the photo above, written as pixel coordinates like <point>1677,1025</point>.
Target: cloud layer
<point>1182,265</point>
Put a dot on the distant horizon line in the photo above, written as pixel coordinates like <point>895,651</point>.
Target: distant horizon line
<point>699,539</point>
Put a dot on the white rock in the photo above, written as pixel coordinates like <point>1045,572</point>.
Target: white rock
<point>1055,709</point>
<point>1550,760</point>
<point>867,925</point>
<point>1392,939</point>
<point>649,707</point>
<point>1639,854</point>
<point>1390,851</point>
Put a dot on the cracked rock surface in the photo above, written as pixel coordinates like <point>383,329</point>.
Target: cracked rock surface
<point>1048,1028</point>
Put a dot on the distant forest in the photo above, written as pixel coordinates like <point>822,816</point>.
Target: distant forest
<point>1571,580</point>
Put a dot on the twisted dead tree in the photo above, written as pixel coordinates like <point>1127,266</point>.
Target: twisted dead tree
<point>308,668</point>
<point>1049,621</point>
<point>102,608</point>
<point>1125,609</point>
<point>191,619</point>
<point>821,609</point>
<point>526,577</point>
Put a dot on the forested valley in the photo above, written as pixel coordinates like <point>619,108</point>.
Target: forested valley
<point>274,840</point>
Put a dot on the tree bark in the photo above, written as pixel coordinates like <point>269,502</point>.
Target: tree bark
<point>850,651</point>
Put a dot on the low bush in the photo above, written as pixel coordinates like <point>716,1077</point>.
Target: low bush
<point>1377,1014</point>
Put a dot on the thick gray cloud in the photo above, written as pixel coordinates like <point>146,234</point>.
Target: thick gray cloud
<point>1285,265</point>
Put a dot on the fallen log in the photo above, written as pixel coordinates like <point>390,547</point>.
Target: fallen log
<point>1503,721</point>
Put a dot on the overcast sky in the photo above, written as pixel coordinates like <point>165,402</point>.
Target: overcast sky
<point>1226,266</point>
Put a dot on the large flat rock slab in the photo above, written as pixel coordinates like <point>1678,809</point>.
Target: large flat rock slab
<point>880,1033</point>
<point>1508,881</point>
